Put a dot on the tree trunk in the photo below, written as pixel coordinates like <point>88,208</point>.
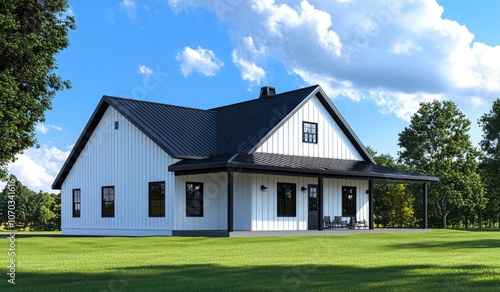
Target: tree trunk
<point>443,214</point>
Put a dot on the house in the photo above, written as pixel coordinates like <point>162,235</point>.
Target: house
<point>278,162</point>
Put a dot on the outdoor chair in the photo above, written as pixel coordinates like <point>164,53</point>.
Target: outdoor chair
<point>328,222</point>
<point>339,223</point>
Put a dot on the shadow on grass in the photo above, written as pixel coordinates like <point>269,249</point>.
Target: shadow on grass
<point>465,244</point>
<point>209,277</point>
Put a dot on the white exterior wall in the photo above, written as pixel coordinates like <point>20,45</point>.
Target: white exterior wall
<point>264,203</point>
<point>128,160</point>
<point>214,202</point>
<point>332,142</point>
<point>332,197</point>
<point>242,201</point>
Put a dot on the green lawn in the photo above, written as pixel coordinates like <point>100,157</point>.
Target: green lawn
<point>441,260</point>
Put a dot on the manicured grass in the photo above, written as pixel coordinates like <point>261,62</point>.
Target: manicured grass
<point>441,260</point>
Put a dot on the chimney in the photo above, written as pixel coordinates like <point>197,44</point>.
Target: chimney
<point>267,91</point>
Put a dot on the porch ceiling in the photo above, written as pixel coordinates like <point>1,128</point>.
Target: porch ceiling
<point>298,165</point>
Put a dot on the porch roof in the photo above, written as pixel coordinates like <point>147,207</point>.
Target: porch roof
<point>298,166</point>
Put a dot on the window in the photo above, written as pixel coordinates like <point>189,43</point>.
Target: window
<point>313,197</point>
<point>157,199</point>
<point>108,202</point>
<point>348,201</point>
<point>309,132</point>
<point>194,199</point>
<point>286,200</point>
<point>76,202</point>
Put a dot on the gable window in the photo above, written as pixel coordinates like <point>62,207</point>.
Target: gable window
<point>309,132</point>
<point>157,199</point>
<point>287,203</point>
<point>194,199</point>
<point>108,202</point>
<point>348,201</point>
<point>76,202</point>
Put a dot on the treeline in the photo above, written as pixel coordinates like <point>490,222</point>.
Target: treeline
<point>437,142</point>
<point>32,211</point>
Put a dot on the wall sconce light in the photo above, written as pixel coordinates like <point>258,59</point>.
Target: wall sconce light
<point>263,187</point>
<point>367,191</point>
<point>303,189</point>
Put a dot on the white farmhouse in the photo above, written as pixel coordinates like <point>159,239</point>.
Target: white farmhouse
<point>279,162</point>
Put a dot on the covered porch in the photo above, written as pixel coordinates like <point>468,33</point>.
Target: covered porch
<point>321,186</point>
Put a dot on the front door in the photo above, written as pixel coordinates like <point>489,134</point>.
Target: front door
<point>312,195</point>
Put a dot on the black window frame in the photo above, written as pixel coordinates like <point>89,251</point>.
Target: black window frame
<point>77,203</point>
<point>194,202</point>
<point>309,137</point>
<point>108,210</point>
<point>156,199</point>
<point>348,204</point>
<point>286,206</point>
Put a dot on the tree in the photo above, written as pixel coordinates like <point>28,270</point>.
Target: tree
<point>38,211</point>
<point>32,32</point>
<point>437,143</point>
<point>26,204</point>
<point>490,165</point>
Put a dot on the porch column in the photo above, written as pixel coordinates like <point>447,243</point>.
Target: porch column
<point>425,206</point>
<point>370,204</point>
<point>320,203</point>
<point>229,201</point>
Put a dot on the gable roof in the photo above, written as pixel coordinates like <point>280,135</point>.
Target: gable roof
<point>236,128</point>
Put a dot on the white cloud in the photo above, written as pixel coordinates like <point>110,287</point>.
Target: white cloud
<point>249,71</point>
<point>200,60</point>
<point>130,8</point>
<point>145,70</point>
<point>394,53</point>
<point>45,128</point>
<point>37,168</point>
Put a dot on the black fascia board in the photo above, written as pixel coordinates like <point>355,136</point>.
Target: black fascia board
<point>222,166</point>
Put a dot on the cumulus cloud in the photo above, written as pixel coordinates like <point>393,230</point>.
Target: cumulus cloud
<point>37,168</point>
<point>145,70</point>
<point>199,60</point>
<point>395,53</point>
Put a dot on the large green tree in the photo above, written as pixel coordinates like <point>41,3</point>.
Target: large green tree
<point>32,32</point>
<point>437,143</point>
<point>490,165</point>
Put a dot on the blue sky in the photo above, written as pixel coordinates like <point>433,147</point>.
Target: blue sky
<point>376,60</point>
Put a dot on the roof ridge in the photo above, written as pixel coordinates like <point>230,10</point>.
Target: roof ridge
<point>156,103</point>
<point>258,98</point>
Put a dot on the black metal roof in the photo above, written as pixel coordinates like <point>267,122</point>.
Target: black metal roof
<point>188,133</point>
<point>241,126</point>
<point>300,165</point>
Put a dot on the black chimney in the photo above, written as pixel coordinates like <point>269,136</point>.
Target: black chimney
<point>267,91</point>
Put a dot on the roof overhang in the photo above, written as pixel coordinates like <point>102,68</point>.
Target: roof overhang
<point>300,166</point>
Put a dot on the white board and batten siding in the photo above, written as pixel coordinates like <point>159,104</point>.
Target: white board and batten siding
<point>264,203</point>
<point>332,197</point>
<point>214,202</point>
<point>332,142</point>
<point>128,160</point>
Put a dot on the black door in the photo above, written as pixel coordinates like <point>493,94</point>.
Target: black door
<point>312,194</point>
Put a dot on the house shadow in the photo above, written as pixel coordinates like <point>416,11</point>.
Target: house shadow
<point>210,277</point>
<point>461,244</point>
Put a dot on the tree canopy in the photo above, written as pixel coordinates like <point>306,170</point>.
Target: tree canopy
<point>32,32</point>
<point>437,143</point>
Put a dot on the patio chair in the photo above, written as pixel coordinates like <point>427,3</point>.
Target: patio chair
<point>328,222</point>
<point>339,223</point>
